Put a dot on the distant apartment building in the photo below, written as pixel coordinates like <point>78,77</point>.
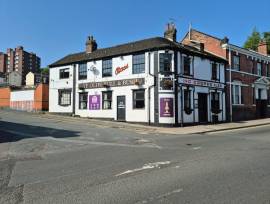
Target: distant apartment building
<point>19,60</point>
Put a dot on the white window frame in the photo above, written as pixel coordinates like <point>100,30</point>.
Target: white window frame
<point>239,86</point>
<point>259,68</point>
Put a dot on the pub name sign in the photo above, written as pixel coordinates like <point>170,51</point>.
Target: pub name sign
<point>201,83</point>
<point>115,83</point>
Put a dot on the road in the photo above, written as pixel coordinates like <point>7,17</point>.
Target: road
<point>50,159</point>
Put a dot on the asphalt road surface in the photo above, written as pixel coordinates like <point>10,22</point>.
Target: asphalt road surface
<point>49,159</point>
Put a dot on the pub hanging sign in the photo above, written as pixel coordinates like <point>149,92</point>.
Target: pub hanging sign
<point>115,83</point>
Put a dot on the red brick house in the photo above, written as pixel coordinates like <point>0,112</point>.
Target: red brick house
<point>247,75</point>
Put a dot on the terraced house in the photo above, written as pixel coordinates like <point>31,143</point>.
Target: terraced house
<point>156,81</point>
<point>247,75</point>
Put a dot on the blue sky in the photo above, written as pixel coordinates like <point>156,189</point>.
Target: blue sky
<point>55,28</point>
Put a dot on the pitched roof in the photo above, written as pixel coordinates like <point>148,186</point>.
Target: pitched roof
<point>237,46</point>
<point>132,47</point>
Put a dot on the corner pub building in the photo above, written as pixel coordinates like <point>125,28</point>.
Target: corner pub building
<point>156,81</point>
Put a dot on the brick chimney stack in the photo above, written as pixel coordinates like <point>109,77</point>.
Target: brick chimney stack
<point>170,32</point>
<point>262,47</point>
<point>91,44</point>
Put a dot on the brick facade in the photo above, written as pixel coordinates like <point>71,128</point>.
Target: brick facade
<point>247,74</point>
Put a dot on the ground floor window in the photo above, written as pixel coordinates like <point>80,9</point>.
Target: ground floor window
<point>107,100</point>
<point>236,94</point>
<point>138,99</point>
<point>83,99</point>
<point>268,96</point>
<point>187,101</point>
<point>64,98</point>
<point>215,104</point>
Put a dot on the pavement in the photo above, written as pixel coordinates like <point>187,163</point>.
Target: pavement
<point>198,129</point>
<point>54,159</point>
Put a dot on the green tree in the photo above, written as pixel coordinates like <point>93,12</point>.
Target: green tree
<point>45,70</point>
<point>253,40</point>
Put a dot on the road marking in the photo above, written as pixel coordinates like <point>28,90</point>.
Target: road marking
<point>151,199</point>
<point>144,167</point>
<point>196,148</point>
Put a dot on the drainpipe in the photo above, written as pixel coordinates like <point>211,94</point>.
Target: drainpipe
<point>230,67</point>
<point>149,88</point>
<point>74,90</point>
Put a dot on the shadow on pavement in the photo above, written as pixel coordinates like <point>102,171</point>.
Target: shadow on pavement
<point>12,132</point>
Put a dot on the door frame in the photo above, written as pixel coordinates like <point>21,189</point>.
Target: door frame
<point>206,95</point>
<point>117,116</point>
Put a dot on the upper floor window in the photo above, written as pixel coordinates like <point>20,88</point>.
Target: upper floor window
<point>165,62</point>
<point>138,99</point>
<point>64,97</point>
<point>259,68</point>
<point>83,99</point>
<point>64,73</point>
<point>215,71</point>
<point>138,64</point>
<point>107,68</point>
<point>187,65</point>
<point>236,63</point>
<point>82,71</point>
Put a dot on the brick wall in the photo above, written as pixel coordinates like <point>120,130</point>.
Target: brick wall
<point>4,97</point>
<point>41,101</point>
<point>211,43</point>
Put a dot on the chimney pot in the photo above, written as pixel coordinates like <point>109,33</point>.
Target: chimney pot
<point>262,47</point>
<point>170,32</point>
<point>91,44</point>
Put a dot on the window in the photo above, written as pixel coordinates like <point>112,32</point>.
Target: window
<point>236,94</point>
<point>215,102</point>
<point>187,66</point>
<point>268,70</point>
<point>138,99</point>
<point>165,62</point>
<point>82,71</point>
<point>107,100</point>
<point>268,97</point>
<point>138,64</point>
<point>236,63</point>
<point>64,98</point>
<point>187,101</point>
<point>83,99</point>
<point>107,68</point>
<point>214,71</point>
<point>64,73</point>
<point>259,68</point>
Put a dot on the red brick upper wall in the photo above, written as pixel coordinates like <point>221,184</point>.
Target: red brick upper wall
<point>211,44</point>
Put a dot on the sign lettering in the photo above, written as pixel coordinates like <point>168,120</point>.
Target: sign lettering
<point>196,82</point>
<point>115,83</point>
<point>118,70</point>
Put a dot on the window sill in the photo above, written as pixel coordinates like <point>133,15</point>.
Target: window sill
<point>65,105</point>
<point>238,104</point>
<point>138,108</point>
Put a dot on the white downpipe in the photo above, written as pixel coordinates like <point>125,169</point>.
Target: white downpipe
<point>230,66</point>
